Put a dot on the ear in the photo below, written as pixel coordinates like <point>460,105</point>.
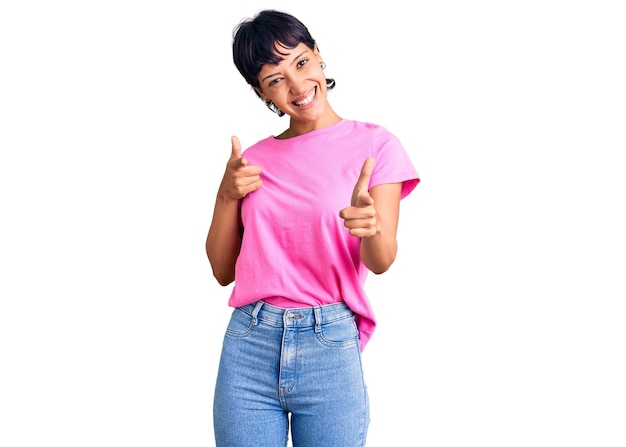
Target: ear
<point>316,52</point>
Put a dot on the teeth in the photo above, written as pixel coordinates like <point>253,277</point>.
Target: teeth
<point>306,100</point>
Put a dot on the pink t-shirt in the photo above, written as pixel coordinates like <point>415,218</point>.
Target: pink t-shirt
<point>296,251</point>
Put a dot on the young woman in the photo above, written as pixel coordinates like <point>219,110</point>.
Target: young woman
<point>299,220</point>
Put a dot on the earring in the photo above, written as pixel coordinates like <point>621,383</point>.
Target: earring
<point>270,105</point>
<point>323,65</point>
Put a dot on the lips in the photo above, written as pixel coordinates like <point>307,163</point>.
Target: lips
<point>306,100</point>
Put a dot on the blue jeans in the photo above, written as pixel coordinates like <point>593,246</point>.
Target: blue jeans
<point>291,365</point>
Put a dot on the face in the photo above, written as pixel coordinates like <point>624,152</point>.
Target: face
<point>297,85</point>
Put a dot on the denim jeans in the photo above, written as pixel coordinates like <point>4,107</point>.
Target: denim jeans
<point>291,367</point>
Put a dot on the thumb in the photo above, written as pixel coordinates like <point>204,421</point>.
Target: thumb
<point>366,173</point>
<point>362,184</point>
<point>235,153</point>
<point>236,147</point>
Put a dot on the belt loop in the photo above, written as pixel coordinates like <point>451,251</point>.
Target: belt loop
<point>255,312</point>
<point>318,319</point>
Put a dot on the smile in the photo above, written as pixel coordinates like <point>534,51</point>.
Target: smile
<point>307,100</point>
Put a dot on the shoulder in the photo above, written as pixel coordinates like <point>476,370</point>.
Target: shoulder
<point>365,126</point>
<point>260,145</point>
<point>377,133</point>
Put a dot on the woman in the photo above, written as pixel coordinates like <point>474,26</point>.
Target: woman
<point>299,220</point>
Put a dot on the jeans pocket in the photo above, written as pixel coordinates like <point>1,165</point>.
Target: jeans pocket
<point>339,334</point>
<point>240,324</point>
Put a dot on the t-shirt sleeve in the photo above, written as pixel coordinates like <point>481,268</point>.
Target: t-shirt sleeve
<point>393,164</point>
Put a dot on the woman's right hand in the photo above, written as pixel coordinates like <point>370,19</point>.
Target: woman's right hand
<point>240,179</point>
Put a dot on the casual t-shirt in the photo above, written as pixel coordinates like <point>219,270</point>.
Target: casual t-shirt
<point>296,251</point>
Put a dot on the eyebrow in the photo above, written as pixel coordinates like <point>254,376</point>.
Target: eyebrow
<point>294,59</point>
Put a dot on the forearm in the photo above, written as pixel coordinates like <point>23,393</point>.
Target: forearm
<point>378,252</point>
<point>224,239</point>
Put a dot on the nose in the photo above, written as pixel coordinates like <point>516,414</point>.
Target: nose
<point>297,87</point>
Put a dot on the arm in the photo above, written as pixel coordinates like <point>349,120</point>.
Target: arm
<point>224,239</point>
<point>373,216</point>
<point>379,251</point>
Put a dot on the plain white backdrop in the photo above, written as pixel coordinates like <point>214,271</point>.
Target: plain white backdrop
<point>501,322</point>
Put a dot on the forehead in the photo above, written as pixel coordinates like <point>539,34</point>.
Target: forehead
<point>287,55</point>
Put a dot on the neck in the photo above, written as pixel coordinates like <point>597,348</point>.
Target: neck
<point>301,127</point>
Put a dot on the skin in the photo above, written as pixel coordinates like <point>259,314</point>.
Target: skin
<point>372,214</point>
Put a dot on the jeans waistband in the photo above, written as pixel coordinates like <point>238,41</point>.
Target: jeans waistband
<point>296,317</point>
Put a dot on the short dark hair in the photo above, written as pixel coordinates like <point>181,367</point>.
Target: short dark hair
<point>255,42</point>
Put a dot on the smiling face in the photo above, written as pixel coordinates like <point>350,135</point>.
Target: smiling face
<point>297,85</point>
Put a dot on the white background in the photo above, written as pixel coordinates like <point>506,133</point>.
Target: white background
<point>502,321</point>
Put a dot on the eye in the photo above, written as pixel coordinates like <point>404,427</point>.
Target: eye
<point>273,82</point>
<point>302,63</point>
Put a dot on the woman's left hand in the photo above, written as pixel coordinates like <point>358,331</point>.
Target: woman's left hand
<point>361,217</point>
